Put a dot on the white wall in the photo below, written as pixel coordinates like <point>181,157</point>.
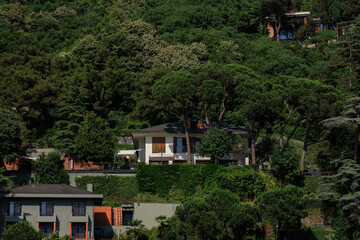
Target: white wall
<point>148,148</point>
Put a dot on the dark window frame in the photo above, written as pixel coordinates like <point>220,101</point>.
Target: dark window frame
<point>16,206</point>
<point>76,230</point>
<point>76,209</point>
<point>46,226</point>
<point>47,213</point>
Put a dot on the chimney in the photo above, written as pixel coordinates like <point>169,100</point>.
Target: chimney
<point>90,187</point>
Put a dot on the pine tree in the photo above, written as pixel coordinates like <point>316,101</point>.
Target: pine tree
<point>350,116</point>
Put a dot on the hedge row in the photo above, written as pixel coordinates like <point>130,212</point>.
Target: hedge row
<point>160,179</point>
<point>116,190</point>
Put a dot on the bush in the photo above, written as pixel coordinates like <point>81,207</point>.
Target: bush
<point>285,165</point>
<point>55,236</point>
<point>22,230</point>
<point>160,179</point>
<point>243,181</point>
<point>116,190</point>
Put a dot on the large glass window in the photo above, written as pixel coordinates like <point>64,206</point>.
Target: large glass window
<point>180,145</point>
<point>47,228</point>
<point>14,208</point>
<point>78,230</point>
<point>78,208</point>
<point>46,208</point>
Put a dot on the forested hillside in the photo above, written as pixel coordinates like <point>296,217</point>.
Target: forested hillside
<point>75,74</point>
<point>62,59</point>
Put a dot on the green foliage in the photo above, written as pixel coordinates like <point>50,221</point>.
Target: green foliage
<point>5,181</point>
<point>116,190</point>
<point>285,164</point>
<point>283,207</point>
<point>20,231</point>
<point>305,32</point>
<point>94,141</point>
<point>49,170</point>
<point>243,181</point>
<point>137,231</point>
<point>160,179</point>
<point>341,191</point>
<point>219,215</point>
<point>10,140</point>
<point>55,236</point>
<point>215,144</point>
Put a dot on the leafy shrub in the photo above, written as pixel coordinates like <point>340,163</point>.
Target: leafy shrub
<point>55,236</point>
<point>285,164</point>
<point>243,181</point>
<point>160,179</point>
<point>116,190</point>
<point>22,230</point>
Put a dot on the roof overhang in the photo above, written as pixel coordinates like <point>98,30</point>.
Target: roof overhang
<point>97,197</point>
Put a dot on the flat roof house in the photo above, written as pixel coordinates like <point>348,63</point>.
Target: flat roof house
<point>51,207</point>
<point>166,144</point>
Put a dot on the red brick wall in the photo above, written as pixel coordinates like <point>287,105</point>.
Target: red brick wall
<point>81,165</point>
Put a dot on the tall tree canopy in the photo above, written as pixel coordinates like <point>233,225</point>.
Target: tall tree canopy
<point>10,140</point>
<point>176,92</point>
<point>95,141</point>
<point>50,170</point>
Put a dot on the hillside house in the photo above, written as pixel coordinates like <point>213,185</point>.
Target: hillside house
<point>51,207</point>
<point>292,21</point>
<point>166,144</point>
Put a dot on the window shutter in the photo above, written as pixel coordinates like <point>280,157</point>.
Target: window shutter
<point>158,144</point>
<point>175,145</point>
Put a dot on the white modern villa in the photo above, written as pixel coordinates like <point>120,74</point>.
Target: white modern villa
<point>166,144</point>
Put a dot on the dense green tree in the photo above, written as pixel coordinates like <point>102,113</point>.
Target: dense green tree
<point>50,170</point>
<point>176,92</point>
<point>322,102</point>
<point>22,230</point>
<point>350,51</point>
<point>215,144</point>
<point>341,192</point>
<point>146,107</point>
<point>220,215</point>
<point>350,116</point>
<point>329,10</point>
<point>69,115</point>
<point>285,164</point>
<point>94,141</point>
<point>10,140</point>
<point>283,207</point>
<point>258,103</point>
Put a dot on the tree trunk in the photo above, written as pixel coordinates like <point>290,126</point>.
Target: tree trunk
<point>303,155</point>
<point>207,115</point>
<point>351,68</point>
<point>188,149</point>
<point>356,147</point>
<point>253,136</point>
<point>253,154</point>
<point>277,28</point>
<point>279,235</point>
<point>222,107</point>
<point>293,131</point>
<point>281,139</point>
